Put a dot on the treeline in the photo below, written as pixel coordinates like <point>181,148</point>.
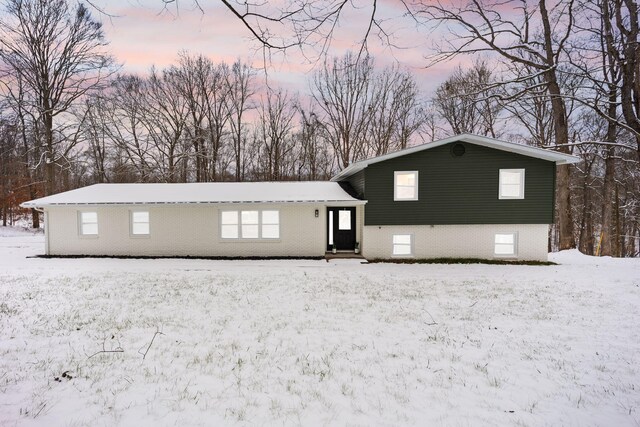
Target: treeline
<point>69,117</point>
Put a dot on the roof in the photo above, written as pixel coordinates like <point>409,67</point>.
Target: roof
<point>199,193</point>
<point>525,150</point>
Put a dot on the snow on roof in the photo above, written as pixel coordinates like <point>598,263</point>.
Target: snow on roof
<point>210,192</point>
<point>525,150</point>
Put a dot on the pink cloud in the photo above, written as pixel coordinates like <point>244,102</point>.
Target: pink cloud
<point>143,35</point>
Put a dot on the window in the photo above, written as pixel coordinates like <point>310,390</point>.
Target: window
<point>229,225</point>
<point>270,224</point>
<point>89,223</point>
<point>140,223</point>
<point>406,185</point>
<point>511,184</point>
<point>344,220</point>
<point>402,245</point>
<point>505,244</point>
<point>250,224</point>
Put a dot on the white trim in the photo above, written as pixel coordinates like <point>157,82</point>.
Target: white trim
<point>133,235</point>
<point>525,150</point>
<point>514,254</point>
<point>46,232</point>
<point>330,228</point>
<point>521,184</point>
<point>262,224</point>
<point>81,223</point>
<point>239,226</point>
<point>411,253</point>
<point>395,186</point>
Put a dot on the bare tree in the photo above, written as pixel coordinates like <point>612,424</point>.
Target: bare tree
<point>396,111</point>
<point>315,161</point>
<point>202,84</point>
<point>341,92</point>
<point>277,113</point>
<point>240,90</point>
<point>467,101</point>
<point>166,115</point>
<point>58,52</point>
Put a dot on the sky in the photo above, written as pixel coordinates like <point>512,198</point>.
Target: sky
<point>143,33</point>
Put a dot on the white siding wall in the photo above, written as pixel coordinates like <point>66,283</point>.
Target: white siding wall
<point>457,241</point>
<point>191,230</point>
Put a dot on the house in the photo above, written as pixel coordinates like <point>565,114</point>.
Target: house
<point>464,196</point>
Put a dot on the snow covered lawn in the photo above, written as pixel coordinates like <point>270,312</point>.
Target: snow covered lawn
<point>315,343</point>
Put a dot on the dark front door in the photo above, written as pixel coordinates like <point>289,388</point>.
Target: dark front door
<point>341,228</point>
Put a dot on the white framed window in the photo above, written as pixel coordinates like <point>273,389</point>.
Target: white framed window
<point>88,223</point>
<point>229,225</point>
<point>344,220</point>
<point>252,224</point>
<point>139,223</point>
<point>511,184</point>
<point>402,245</point>
<point>270,225</point>
<point>505,244</point>
<point>405,185</point>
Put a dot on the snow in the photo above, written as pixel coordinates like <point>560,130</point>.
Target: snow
<point>315,343</point>
<point>209,192</point>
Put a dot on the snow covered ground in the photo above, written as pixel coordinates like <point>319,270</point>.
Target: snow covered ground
<point>316,343</point>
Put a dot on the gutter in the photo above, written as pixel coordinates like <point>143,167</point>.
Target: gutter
<point>306,202</point>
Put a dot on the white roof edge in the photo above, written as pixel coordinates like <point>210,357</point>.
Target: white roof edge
<point>31,204</point>
<point>525,150</point>
<point>184,194</point>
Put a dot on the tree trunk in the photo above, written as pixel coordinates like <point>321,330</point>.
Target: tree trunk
<point>561,130</point>
<point>608,236</point>
<point>586,229</point>
<point>563,193</point>
<point>49,165</point>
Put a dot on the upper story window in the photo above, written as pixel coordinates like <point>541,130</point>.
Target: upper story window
<point>250,224</point>
<point>140,223</point>
<point>511,185</point>
<point>89,223</point>
<point>405,185</point>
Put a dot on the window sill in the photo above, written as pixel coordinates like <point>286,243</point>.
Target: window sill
<point>139,236</point>
<point>88,236</point>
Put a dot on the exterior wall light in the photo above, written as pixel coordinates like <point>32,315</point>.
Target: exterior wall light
<point>317,213</point>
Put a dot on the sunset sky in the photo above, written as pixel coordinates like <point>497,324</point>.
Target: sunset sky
<point>143,33</point>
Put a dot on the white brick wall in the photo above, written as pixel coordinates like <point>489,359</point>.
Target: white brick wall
<point>186,230</point>
<point>194,230</point>
<point>457,241</point>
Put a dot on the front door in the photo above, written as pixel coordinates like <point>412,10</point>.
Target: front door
<point>341,228</point>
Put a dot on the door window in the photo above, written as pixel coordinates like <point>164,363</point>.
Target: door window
<point>344,220</point>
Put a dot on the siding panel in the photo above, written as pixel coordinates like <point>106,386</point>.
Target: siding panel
<point>459,190</point>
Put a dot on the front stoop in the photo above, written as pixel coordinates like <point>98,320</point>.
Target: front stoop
<point>342,255</point>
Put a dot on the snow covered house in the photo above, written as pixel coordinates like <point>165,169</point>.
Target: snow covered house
<point>464,196</point>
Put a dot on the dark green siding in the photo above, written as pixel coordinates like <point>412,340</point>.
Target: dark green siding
<point>459,190</point>
<point>357,183</point>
